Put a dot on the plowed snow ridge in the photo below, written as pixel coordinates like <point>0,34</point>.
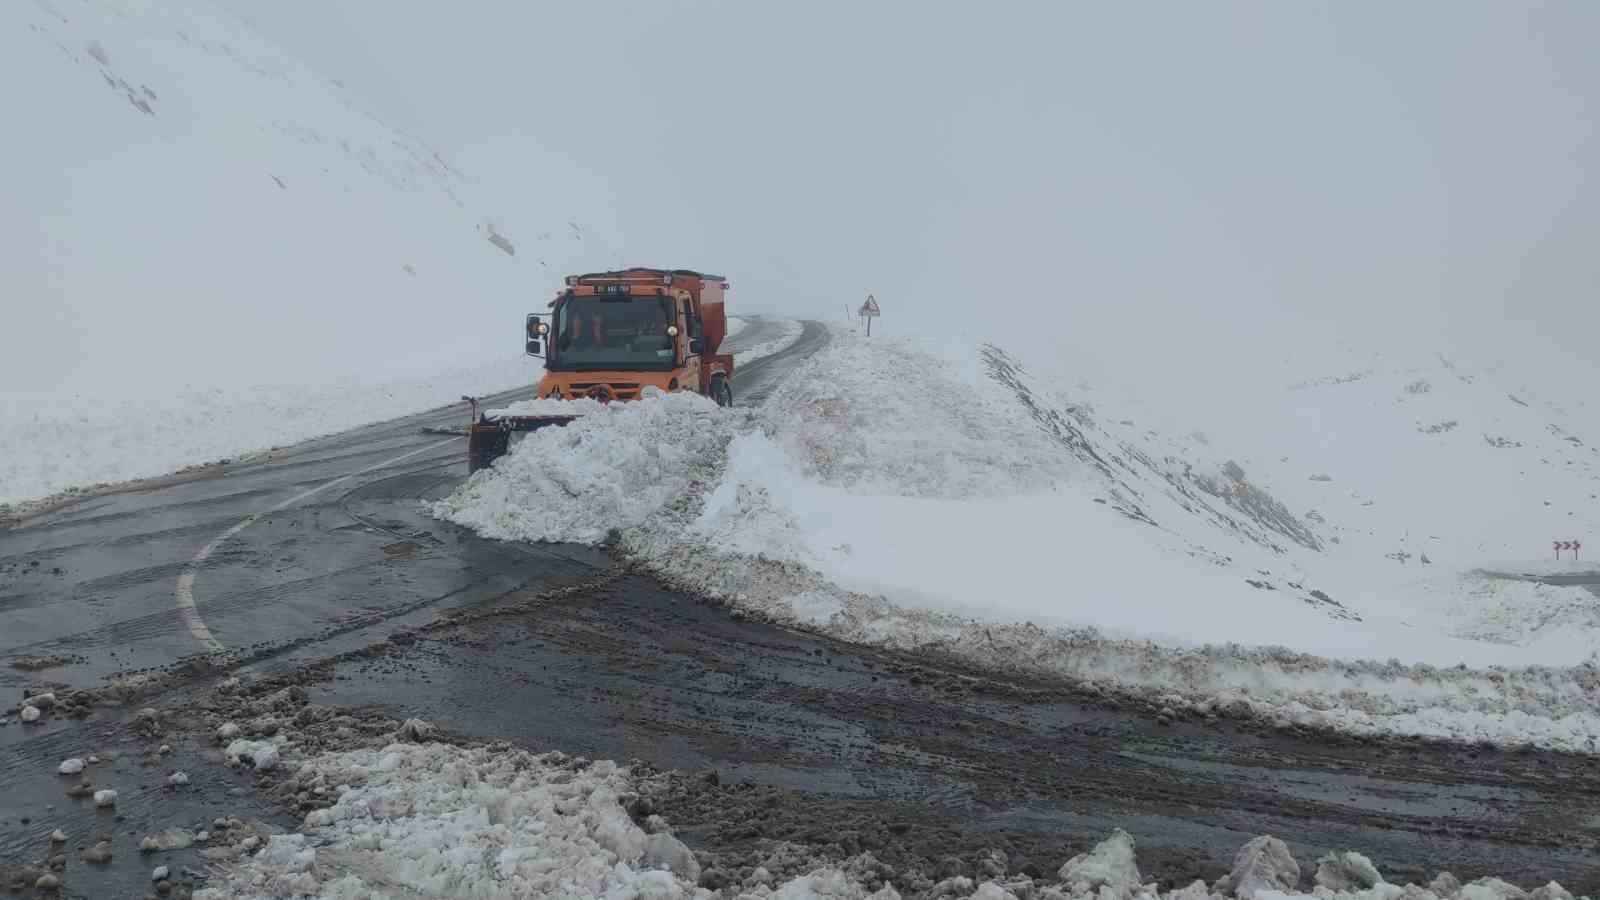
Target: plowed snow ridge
<point>1017,529</point>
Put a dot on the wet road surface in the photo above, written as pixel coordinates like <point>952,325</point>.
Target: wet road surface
<point>753,382</point>
<point>813,741</point>
<point>921,760</point>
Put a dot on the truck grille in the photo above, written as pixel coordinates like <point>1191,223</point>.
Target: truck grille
<point>618,390</point>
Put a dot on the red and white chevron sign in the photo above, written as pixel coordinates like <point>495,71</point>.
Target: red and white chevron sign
<point>1574,546</point>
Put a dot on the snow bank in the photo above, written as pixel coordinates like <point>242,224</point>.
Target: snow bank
<point>890,496</point>
<point>440,821</point>
<point>616,468</point>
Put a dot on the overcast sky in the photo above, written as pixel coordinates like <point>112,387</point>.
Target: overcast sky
<point>1155,177</point>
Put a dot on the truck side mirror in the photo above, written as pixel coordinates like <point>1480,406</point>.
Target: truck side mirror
<point>535,348</point>
<point>536,328</point>
<point>697,346</point>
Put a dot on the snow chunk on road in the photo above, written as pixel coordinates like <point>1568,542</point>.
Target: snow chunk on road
<point>612,469</point>
<point>260,754</point>
<point>105,798</point>
<point>1111,864</point>
<point>1347,871</point>
<point>663,851</point>
<point>1261,866</point>
<point>70,766</point>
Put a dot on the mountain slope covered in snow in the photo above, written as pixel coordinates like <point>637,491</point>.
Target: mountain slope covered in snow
<point>212,248</point>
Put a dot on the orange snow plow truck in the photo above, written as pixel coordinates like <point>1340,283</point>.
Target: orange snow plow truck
<point>611,335</point>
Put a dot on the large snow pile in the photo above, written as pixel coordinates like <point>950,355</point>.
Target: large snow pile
<point>888,495</point>
<point>616,468</point>
<point>210,249</point>
<point>439,821</point>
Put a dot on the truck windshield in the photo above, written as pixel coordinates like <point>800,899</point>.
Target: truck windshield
<point>605,333</point>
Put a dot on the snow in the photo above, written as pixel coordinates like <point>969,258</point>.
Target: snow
<point>70,766</point>
<point>1262,867</point>
<point>736,324</point>
<point>29,714</point>
<point>895,496</point>
<point>105,798</point>
<point>580,406</point>
<point>260,754</point>
<point>1111,864</point>
<point>213,250</point>
<point>439,821</point>
<point>614,468</point>
<point>1346,871</point>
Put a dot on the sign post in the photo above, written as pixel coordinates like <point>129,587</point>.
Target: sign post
<point>869,311</point>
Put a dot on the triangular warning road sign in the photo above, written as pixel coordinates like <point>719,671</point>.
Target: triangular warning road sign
<point>869,308</point>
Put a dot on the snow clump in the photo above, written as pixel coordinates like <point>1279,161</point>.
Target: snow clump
<point>259,754</point>
<point>609,470</point>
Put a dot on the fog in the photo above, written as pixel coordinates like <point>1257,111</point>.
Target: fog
<point>1155,185</point>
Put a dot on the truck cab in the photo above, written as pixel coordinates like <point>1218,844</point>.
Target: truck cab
<point>610,335</point>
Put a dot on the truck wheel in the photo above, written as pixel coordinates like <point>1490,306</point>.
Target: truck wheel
<point>721,391</point>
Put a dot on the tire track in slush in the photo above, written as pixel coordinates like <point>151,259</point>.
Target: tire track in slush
<point>183,594</point>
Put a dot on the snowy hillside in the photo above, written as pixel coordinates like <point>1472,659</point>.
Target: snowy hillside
<point>971,505</point>
<point>210,248</point>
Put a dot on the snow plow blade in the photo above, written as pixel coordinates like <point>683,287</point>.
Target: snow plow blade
<point>489,438</point>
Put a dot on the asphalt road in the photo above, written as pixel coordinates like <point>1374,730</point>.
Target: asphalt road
<point>753,382</point>
<point>262,568</point>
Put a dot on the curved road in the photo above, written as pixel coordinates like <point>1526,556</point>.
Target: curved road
<point>754,381</point>
<point>324,548</point>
